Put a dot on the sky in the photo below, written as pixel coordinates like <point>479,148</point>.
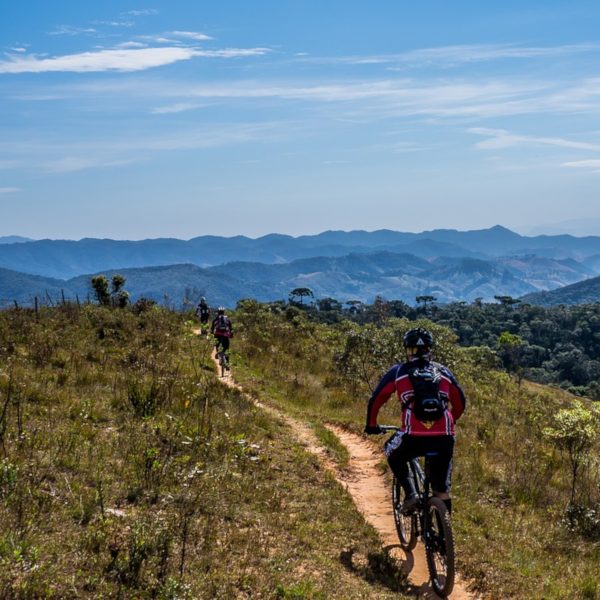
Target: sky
<point>181,118</point>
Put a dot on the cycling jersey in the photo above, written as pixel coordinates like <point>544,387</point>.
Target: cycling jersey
<point>397,379</point>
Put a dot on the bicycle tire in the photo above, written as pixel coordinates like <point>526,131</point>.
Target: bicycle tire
<point>405,524</point>
<point>439,547</point>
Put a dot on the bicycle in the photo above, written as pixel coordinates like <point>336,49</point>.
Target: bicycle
<point>430,521</point>
<point>223,362</point>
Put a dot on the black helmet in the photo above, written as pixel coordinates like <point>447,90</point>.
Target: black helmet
<point>221,310</point>
<point>419,339</point>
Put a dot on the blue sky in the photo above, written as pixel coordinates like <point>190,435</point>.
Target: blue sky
<point>176,119</point>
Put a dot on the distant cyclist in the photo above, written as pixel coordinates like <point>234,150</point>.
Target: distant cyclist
<point>222,329</point>
<point>203,313</point>
<point>431,402</point>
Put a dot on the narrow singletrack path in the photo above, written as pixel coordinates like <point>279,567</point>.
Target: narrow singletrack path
<point>371,494</point>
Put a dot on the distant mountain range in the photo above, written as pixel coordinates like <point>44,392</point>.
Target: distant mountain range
<point>450,265</point>
<point>65,259</point>
<point>14,239</point>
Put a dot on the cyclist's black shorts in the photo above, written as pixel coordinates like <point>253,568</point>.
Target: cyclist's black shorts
<point>223,341</point>
<point>204,319</point>
<point>419,445</point>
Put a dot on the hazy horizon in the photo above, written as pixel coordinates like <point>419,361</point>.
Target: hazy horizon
<point>550,230</point>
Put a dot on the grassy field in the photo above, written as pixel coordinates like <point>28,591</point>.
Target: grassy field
<point>511,483</point>
<point>128,471</point>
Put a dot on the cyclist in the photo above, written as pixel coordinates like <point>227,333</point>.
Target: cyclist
<point>203,313</point>
<point>222,329</point>
<point>431,402</point>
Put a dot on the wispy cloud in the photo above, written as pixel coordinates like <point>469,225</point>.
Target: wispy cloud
<point>500,138</point>
<point>448,56</point>
<point>142,12</point>
<point>72,31</point>
<point>176,108</point>
<point>133,59</point>
<point>115,23</point>
<point>118,151</point>
<point>9,190</point>
<point>593,164</point>
<point>132,44</point>
<point>192,35</point>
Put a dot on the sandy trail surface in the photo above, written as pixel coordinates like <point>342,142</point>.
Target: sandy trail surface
<point>365,483</point>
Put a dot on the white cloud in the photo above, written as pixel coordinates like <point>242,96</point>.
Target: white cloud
<point>132,45</point>
<point>18,49</point>
<point>584,164</point>
<point>118,60</point>
<point>192,35</point>
<point>72,31</point>
<point>129,148</point>
<point>9,190</point>
<point>115,23</point>
<point>500,138</point>
<point>175,108</point>
<point>142,12</point>
<point>447,56</point>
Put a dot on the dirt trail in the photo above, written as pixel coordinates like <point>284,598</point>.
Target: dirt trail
<point>371,494</point>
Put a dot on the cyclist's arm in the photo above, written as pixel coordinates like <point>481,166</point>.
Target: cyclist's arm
<point>456,396</point>
<point>382,393</point>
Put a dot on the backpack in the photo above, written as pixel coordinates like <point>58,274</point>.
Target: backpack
<point>223,325</point>
<point>428,405</point>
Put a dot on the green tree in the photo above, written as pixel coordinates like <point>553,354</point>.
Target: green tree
<point>425,301</point>
<point>575,431</point>
<point>119,297</point>
<point>510,346</point>
<point>100,287</point>
<point>301,292</point>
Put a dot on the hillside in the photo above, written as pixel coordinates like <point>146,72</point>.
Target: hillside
<point>583,292</point>
<point>129,471</point>
<point>64,259</point>
<point>362,276</point>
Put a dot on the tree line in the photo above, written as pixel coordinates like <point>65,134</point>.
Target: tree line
<point>557,345</point>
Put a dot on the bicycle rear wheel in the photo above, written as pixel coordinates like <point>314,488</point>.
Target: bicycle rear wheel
<point>405,524</point>
<point>439,547</point>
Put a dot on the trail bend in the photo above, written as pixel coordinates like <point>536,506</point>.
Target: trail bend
<point>366,485</point>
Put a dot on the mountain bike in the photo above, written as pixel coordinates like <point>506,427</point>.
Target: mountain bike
<point>223,362</point>
<point>430,521</point>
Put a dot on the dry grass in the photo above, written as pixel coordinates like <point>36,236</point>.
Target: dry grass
<point>127,471</point>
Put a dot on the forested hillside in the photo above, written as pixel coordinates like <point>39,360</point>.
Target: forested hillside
<point>557,345</point>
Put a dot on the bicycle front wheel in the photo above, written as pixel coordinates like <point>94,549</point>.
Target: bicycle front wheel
<point>439,547</point>
<point>405,524</point>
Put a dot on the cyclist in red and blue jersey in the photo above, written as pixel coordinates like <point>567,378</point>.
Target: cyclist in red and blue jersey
<point>222,329</point>
<point>432,401</point>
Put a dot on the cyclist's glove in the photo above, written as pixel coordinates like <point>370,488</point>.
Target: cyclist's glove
<point>373,430</point>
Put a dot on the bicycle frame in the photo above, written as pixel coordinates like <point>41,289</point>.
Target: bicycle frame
<point>423,488</point>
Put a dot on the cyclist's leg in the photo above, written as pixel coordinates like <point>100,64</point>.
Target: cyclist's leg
<point>441,468</point>
<point>225,344</point>
<point>218,341</point>
<point>401,450</point>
